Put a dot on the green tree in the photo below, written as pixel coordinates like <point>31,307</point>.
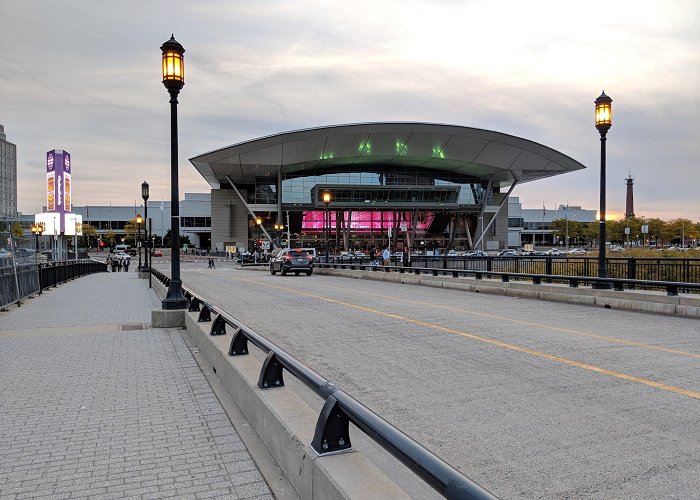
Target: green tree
<point>110,238</point>
<point>89,233</point>
<point>17,230</point>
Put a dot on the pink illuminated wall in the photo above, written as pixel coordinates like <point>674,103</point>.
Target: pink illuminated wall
<point>362,221</point>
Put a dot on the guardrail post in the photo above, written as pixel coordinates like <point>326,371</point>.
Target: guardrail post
<point>332,429</point>
<point>672,290</point>
<point>573,283</point>
<point>204,314</point>
<point>239,344</point>
<point>631,271</point>
<point>194,305</point>
<point>505,278</point>
<point>271,373</point>
<point>218,327</point>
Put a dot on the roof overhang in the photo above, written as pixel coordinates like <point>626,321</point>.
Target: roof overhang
<point>469,151</point>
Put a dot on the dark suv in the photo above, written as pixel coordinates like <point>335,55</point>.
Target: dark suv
<point>292,260</point>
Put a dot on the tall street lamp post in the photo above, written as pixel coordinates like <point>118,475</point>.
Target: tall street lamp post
<point>174,80</point>
<point>326,220</point>
<point>603,122</point>
<point>147,239</point>
<point>139,220</point>
<point>278,231</point>
<point>37,229</point>
<point>258,222</point>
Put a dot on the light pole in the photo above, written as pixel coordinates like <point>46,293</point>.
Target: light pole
<point>147,239</point>
<point>258,222</point>
<point>37,229</point>
<point>278,230</point>
<point>603,122</point>
<point>139,220</point>
<point>174,80</point>
<point>326,219</point>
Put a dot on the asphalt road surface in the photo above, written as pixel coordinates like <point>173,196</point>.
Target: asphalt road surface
<point>531,399</point>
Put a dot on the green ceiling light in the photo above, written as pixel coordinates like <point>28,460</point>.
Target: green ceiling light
<point>401,148</point>
<point>438,152</point>
<point>326,156</point>
<point>365,147</point>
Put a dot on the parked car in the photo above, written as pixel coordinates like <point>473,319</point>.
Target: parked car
<point>157,253</point>
<point>476,253</point>
<point>359,255</point>
<point>294,260</point>
<point>507,253</point>
<point>554,252</point>
<point>577,251</point>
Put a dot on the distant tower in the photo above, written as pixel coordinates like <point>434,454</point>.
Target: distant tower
<point>629,210</point>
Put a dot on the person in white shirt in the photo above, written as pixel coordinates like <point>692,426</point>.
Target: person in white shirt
<point>386,255</point>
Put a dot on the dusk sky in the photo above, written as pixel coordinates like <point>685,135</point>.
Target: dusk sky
<point>84,76</point>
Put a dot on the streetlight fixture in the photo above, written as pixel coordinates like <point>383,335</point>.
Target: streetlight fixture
<point>37,229</point>
<point>174,80</point>
<point>278,230</point>
<point>603,122</point>
<point>326,219</point>
<point>147,239</point>
<point>139,220</point>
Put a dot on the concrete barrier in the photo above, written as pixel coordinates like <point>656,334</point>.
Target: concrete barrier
<point>631,300</point>
<point>286,424</point>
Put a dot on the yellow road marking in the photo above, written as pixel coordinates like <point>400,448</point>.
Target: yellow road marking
<point>505,345</point>
<point>522,322</point>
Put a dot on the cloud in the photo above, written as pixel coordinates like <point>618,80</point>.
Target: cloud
<point>85,77</point>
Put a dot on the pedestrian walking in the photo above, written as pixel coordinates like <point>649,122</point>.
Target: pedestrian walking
<point>386,255</point>
<point>110,263</point>
<point>127,261</point>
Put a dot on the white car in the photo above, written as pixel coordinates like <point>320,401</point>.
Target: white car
<point>577,251</point>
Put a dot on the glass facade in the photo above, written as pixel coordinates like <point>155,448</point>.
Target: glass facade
<point>402,185</point>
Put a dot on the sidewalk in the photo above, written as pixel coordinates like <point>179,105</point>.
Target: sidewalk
<point>95,404</point>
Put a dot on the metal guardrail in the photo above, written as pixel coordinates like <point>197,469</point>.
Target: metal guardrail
<point>332,427</point>
<point>672,287</point>
<point>685,270</point>
<point>19,281</point>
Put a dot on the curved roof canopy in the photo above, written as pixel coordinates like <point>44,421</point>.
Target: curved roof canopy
<point>469,151</point>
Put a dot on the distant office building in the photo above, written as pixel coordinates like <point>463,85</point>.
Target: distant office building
<point>195,218</point>
<point>8,176</point>
<point>533,225</point>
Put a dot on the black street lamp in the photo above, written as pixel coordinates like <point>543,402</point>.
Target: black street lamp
<point>37,229</point>
<point>139,220</point>
<point>147,251</point>
<point>603,122</point>
<point>326,220</point>
<point>174,80</point>
<point>278,231</point>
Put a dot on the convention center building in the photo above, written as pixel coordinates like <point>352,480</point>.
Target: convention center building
<point>416,185</point>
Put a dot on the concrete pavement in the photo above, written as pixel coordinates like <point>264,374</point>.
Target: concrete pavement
<point>96,404</point>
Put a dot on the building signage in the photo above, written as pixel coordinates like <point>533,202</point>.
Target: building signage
<point>58,184</point>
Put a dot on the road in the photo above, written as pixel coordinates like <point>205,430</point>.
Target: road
<point>531,399</point>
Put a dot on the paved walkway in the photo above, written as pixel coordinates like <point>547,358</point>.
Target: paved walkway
<point>95,404</point>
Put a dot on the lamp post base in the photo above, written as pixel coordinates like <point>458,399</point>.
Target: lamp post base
<point>604,285</point>
<point>174,298</point>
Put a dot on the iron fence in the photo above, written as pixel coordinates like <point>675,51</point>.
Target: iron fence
<point>20,278</point>
<point>685,270</point>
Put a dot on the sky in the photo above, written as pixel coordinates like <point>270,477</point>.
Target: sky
<point>85,76</point>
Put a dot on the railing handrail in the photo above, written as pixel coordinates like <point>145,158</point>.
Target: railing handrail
<point>670,286</point>
<point>437,473</point>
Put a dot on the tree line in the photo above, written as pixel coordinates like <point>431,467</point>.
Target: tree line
<point>661,233</point>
